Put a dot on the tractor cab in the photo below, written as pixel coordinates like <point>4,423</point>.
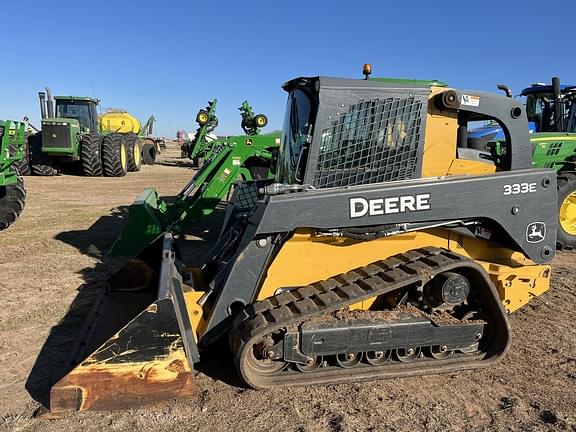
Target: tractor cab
<point>82,109</point>
<point>541,108</point>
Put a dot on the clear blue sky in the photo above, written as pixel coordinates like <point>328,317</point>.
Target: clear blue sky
<point>168,58</point>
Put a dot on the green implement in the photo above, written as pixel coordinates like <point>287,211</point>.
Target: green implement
<point>207,122</point>
<point>12,193</point>
<point>232,159</point>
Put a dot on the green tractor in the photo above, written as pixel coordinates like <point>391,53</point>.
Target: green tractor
<point>12,192</point>
<point>551,111</point>
<point>227,161</point>
<point>71,134</point>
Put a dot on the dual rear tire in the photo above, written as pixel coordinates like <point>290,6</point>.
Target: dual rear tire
<point>134,149</point>
<point>114,155</point>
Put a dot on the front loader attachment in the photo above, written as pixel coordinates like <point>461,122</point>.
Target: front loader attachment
<point>149,215</point>
<point>147,219</point>
<point>138,345</point>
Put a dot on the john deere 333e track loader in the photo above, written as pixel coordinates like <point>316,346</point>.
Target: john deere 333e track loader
<point>384,247</point>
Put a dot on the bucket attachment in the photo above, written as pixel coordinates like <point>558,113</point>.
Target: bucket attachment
<point>138,345</point>
<point>146,221</point>
<point>149,215</point>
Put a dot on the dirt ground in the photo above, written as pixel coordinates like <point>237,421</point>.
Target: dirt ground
<point>51,267</point>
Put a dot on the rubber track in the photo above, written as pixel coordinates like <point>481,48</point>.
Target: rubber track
<point>294,307</point>
<point>12,204</point>
<point>91,155</point>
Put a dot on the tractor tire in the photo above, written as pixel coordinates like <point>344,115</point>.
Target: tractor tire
<point>23,165</point>
<point>12,199</point>
<point>148,154</point>
<point>40,163</point>
<point>114,155</point>
<point>134,149</point>
<point>91,155</point>
<point>566,238</point>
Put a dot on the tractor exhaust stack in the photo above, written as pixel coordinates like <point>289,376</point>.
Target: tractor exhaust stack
<point>505,89</point>
<point>558,107</point>
<point>42,97</point>
<point>49,103</point>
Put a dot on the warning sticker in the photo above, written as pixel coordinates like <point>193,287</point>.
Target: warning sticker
<point>236,161</point>
<point>470,100</point>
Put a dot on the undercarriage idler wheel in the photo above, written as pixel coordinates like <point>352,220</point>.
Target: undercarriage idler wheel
<point>134,149</point>
<point>311,364</point>
<point>407,355</point>
<point>148,154</point>
<point>114,156</point>
<point>376,358</point>
<point>12,199</point>
<point>348,360</point>
<point>566,237</point>
<point>439,352</point>
<point>91,155</point>
<point>260,360</point>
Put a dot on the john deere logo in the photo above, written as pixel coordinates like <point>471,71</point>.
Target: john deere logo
<point>536,232</point>
<point>248,142</point>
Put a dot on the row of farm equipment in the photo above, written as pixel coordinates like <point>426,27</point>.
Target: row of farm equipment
<point>73,137</point>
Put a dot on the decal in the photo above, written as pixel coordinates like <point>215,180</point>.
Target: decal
<point>380,206</point>
<point>236,161</point>
<point>519,188</point>
<point>248,142</point>
<point>483,233</point>
<point>535,232</point>
<point>470,100</point>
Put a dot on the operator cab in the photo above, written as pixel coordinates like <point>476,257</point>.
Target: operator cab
<point>81,109</point>
<point>540,107</point>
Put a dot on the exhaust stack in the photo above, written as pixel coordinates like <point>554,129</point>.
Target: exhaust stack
<point>505,89</point>
<point>49,103</point>
<point>42,97</point>
<point>558,107</point>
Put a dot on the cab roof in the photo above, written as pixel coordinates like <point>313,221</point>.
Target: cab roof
<point>77,98</point>
<point>537,88</point>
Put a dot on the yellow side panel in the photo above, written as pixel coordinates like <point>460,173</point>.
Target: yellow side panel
<point>439,158</point>
<point>440,139</point>
<point>518,285</point>
<point>439,145</point>
<point>470,167</point>
<point>306,259</point>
